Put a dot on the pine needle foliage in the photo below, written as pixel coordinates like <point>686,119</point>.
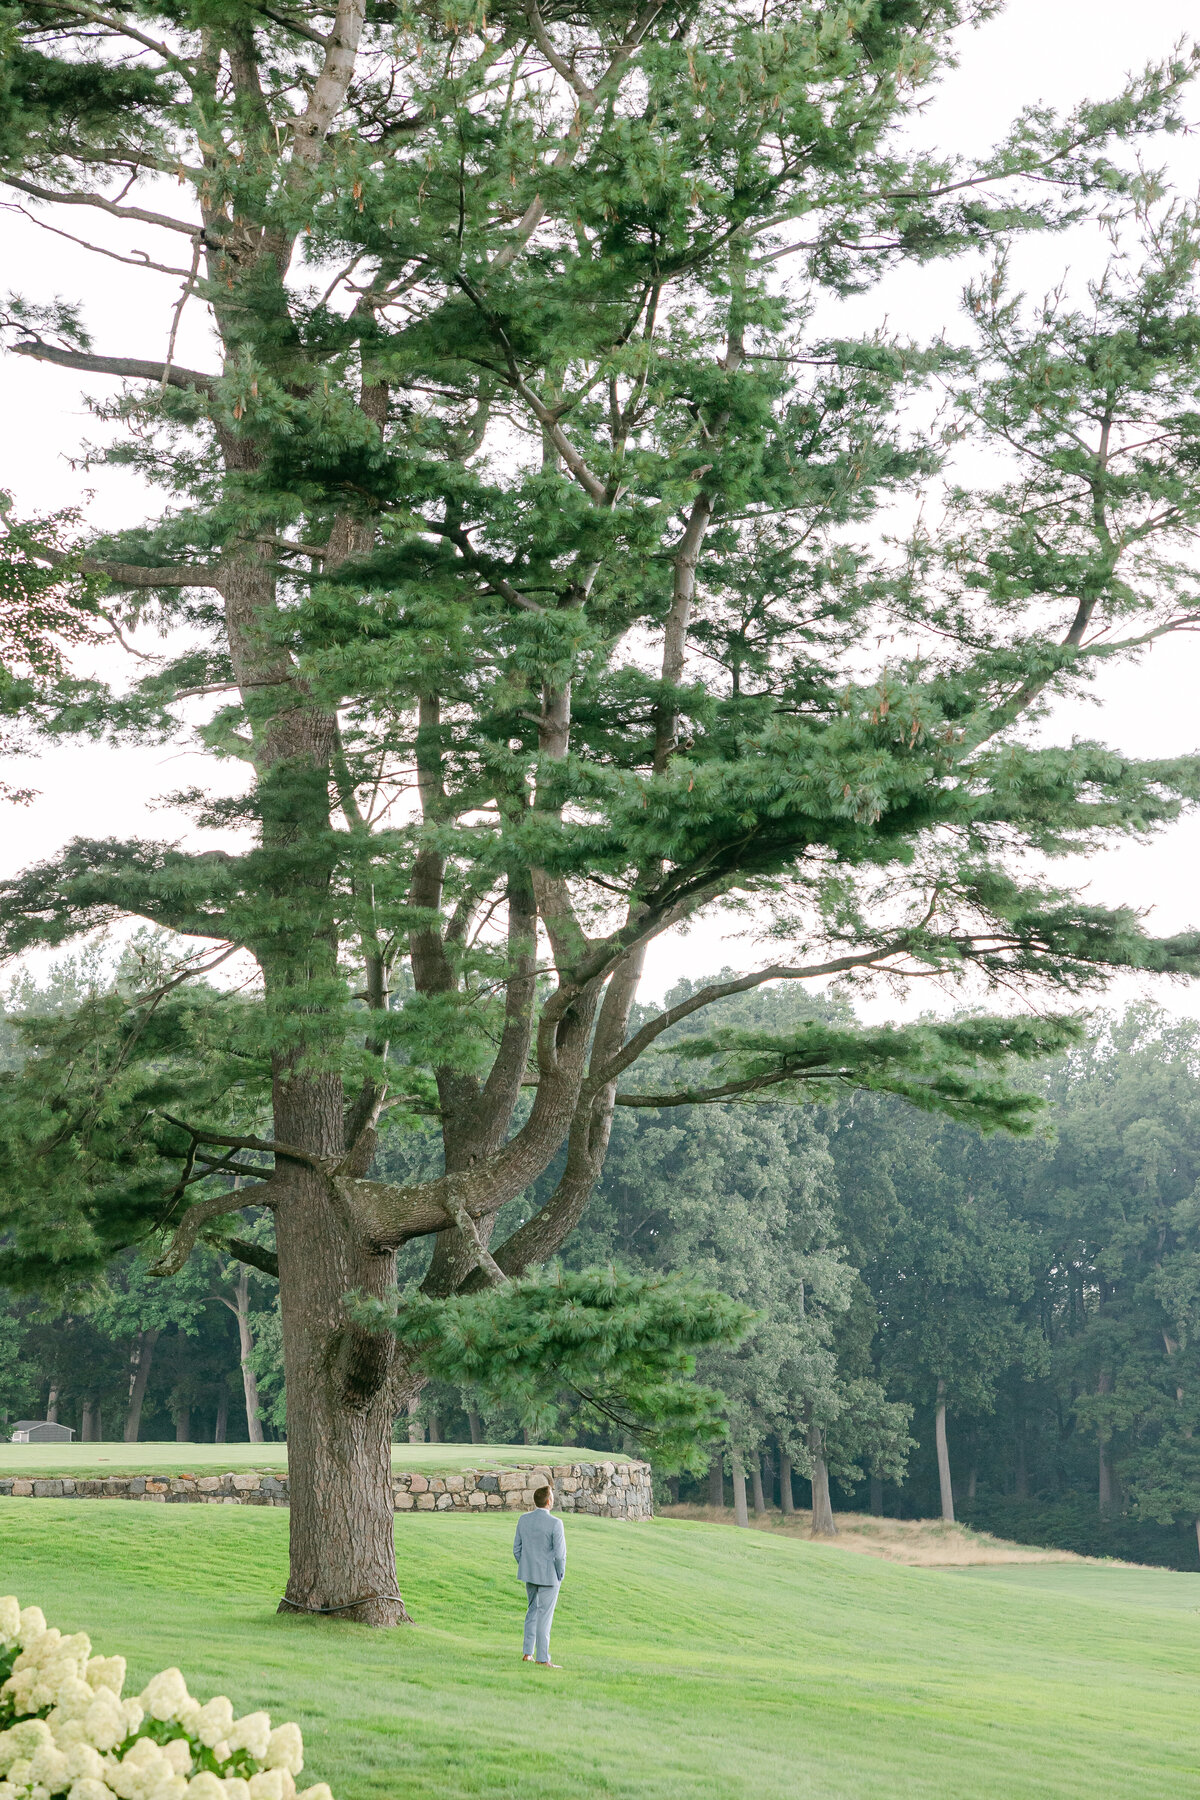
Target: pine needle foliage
<point>621,1347</point>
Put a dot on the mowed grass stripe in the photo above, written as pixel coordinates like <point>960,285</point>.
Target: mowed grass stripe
<point>701,1661</point>
<point>88,1460</point>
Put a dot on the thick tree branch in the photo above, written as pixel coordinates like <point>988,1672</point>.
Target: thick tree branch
<point>255,1256</point>
<point>197,1216</point>
<point>128,368</point>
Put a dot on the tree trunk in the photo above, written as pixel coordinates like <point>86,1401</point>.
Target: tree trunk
<point>756,1488</point>
<point>241,1312</point>
<point>822,1507</point>
<point>52,1404</point>
<point>943,1455</point>
<point>474,1425</point>
<point>340,1382</point>
<point>524,1432</point>
<point>1104,1471</point>
<point>139,1374</point>
<point>435,1430</point>
<point>787,1500</point>
<point>222,1424</point>
<point>876,1500</point>
<point>740,1513</point>
<point>416,1431</point>
<point>973,1482</point>
<point>89,1426</point>
<point>716,1483</point>
<point>183,1424</point>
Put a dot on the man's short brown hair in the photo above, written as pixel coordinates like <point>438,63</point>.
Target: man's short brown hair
<point>541,1496</point>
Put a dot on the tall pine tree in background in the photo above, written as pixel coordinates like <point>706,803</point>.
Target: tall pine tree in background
<point>514,546</point>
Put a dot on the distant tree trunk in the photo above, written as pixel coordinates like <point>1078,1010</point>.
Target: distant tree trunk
<point>876,1500</point>
<point>822,1507</point>
<point>474,1425</point>
<point>943,1454</point>
<point>239,1306</point>
<point>716,1482</point>
<point>183,1424</point>
<point>52,1404</point>
<point>416,1431</point>
<point>787,1501</point>
<point>740,1514</point>
<point>972,1482</point>
<point>673,1489</point>
<point>245,1347</point>
<point>1105,1481</point>
<point>434,1439</point>
<point>222,1424</point>
<point>89,1430</point>
<point>756,1487</point>
<point>139,1374</point>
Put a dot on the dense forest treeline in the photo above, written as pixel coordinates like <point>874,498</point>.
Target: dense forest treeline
<point>1006,1328</point>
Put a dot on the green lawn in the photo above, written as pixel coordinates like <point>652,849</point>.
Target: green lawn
<point>700,1660</point>
<point>220,1459</point>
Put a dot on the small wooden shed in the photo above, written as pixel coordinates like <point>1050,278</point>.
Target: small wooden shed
<point>40,1431</point>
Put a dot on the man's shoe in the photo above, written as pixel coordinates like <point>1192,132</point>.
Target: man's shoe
<point>527,1657</point>
<point>549,1665</point>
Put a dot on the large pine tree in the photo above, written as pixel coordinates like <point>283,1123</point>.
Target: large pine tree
<point>514,543</point>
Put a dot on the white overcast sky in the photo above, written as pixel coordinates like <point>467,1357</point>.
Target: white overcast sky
<point>1056,51</point>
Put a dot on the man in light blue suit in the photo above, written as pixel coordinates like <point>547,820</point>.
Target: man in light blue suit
<point>540,1548</point>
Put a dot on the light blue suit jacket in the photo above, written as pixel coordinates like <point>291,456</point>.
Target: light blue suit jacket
<point>540,1547</point>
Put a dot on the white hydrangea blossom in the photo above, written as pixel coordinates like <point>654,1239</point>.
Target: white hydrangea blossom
<point>285,1749</point>
<point>253,1733</point>
<point>69,1732</point>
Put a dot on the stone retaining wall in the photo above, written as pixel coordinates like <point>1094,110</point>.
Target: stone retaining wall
<point>611,1490</point>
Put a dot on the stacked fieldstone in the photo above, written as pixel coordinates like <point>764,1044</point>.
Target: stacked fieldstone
<point>610,1490</point>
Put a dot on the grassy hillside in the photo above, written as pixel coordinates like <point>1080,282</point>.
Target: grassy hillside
<point>218,1459</point>
<point>700,1660</point>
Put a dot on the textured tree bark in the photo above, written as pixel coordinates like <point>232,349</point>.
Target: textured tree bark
<point>822,1507</point>
<point>876,1500</point>
<point>416,1431</point>
<point>183,1424</point>
<point>343,1558</point>
<point>787,1499</point>
<point>52,1404</point>
<point>716,1482</point>
<point>139,1374</point>
<point>474,1425</point>
<point>943,1454</point>
<point>91,1429</point>
<point>756,1488</point>
<point>741,1513</point>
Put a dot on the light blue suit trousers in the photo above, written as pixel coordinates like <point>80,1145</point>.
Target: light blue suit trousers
<point>539,1616</point>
